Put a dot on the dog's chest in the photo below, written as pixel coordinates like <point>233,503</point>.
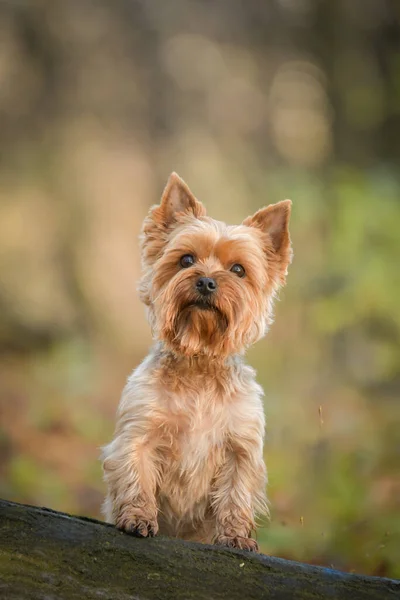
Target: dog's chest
<point>193,434</point>
<point>195,418</point>
<point>193,428</point>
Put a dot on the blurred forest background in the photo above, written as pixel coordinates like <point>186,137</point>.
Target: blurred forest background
<point>250,102</point>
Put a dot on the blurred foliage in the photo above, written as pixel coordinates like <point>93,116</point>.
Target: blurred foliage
<point>250,103</point>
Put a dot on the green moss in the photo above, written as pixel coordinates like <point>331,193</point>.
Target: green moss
<point>52,554</point>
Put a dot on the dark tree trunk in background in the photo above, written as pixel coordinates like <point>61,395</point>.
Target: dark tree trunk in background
<point>45,554</point>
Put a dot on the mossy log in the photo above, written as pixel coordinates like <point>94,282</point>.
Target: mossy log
<point>49,555</point>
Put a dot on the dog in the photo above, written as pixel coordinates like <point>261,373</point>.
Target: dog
<point>186,459</point>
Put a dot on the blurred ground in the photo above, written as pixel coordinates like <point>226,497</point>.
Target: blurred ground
<point>250,103</point>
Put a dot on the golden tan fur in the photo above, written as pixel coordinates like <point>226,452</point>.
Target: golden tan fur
<point>187,454</point>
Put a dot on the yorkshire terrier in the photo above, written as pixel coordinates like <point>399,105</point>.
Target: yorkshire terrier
<point>187,455</point>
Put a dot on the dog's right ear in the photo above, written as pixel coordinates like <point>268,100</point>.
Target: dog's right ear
<point>177,199</point>
<point>176,202</point>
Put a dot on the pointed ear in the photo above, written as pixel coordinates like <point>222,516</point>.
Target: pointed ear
<point>273,221</point>
<point>177,199</point>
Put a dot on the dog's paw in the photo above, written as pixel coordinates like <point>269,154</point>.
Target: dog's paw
<point>138,526</point>
<point>141,528</point>
<point>242,543</point>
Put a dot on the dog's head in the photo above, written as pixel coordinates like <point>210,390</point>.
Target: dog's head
<point>209,286</point>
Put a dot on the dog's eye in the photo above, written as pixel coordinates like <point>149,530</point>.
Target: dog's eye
<point>187,260</point>
<point>238,270</point>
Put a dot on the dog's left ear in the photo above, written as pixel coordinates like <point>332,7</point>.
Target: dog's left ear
<point>274,222</point>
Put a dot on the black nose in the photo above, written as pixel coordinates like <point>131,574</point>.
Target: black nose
<point>206,285</point>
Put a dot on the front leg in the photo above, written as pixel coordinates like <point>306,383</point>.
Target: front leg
<point>131,474</point>
<point>239,493</point>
